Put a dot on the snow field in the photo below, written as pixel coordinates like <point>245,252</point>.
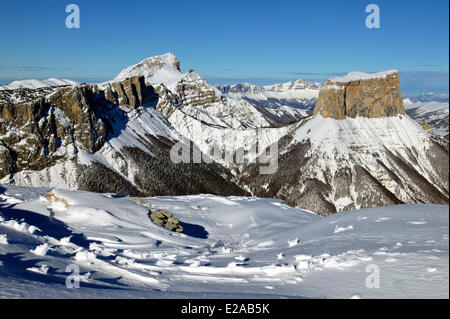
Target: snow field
<point>239,246</point>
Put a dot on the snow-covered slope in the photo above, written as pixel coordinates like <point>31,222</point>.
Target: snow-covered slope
<point>287,102</point>
<point>117,137</point>
<point>36,84</point>
<point>232,247</point>
<point>432,113</point>
<point>110,138</point>
<point>352,76</point>
<point>159,69</point>
<point>430,97</point>
<point>331,165</point>
<point>192,95</point>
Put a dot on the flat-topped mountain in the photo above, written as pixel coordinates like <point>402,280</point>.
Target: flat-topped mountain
<point>359,150</point>
<point>361,94</point>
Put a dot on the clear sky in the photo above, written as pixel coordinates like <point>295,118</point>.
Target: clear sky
<point>229,41</point>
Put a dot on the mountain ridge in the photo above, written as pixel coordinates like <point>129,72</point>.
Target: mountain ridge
<point>36,84</point>
<point>116,136</point>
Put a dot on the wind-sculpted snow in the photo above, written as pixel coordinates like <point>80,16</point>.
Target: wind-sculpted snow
<point>249,248</point>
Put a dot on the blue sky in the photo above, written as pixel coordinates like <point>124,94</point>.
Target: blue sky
<point>228,41</point>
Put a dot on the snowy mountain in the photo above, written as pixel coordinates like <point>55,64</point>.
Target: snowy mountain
<point>289,102</point>
<point>433,115</point>
<point>231,247</point>
<point>430,97</point>
<point>189,95</point>
<point>36,84</point>
<point>86,138</point>
<point>298,94</point>
<point>163,69</point>
<point>358,150</point>
<point>328,165</point>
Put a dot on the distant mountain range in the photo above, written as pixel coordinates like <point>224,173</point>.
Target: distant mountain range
<point>342,145</point>
<point>280,103</point>
<point>430,97</point>
<point>295,99</point>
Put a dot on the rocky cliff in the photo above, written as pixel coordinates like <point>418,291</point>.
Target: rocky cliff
<point>105,138</point>
<point>80,116</point>
<point>361,94</point>
<point>195,91</point>
<point>116,137</point>
<point>360,150</point>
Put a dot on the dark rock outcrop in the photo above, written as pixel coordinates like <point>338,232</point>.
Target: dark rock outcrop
<point>131,92</point>
<point>165,219</point>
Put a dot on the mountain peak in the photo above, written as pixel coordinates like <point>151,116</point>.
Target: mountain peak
<point>168,59</point>
<point>167,63</point>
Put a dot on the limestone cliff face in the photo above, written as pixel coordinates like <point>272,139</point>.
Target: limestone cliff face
<point>154,68</point>
<point>46,137</point>
<point>371,96</point>
<point>131,92</point>
<point>33,134</point>
<point>195,91</point>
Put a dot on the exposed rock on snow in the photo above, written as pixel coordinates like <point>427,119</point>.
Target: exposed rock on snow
<point>165,219</point>
<point>52,197</point>
<point>282,103</point>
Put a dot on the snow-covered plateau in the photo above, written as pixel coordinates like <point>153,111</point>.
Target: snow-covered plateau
<point>231,247</point>
<point>36,84</point>
<point>118,137</point>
